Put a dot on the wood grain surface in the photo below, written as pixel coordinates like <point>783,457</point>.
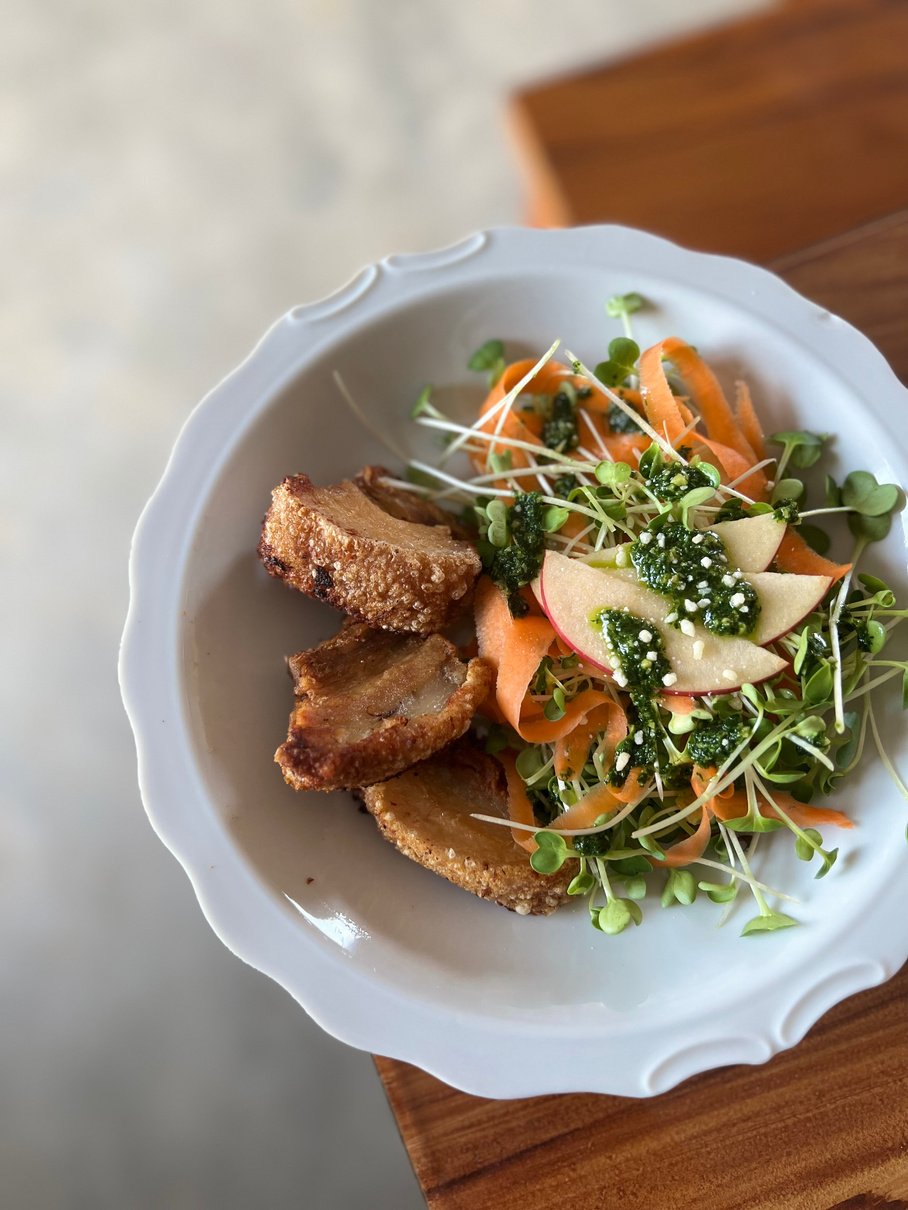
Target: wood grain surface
<point>823,1126</point>
<point>755,139</point>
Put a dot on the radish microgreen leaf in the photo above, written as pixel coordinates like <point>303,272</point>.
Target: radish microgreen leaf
<point>767,922</point>
<point>489,357</point>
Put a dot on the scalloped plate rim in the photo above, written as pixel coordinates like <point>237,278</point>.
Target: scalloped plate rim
<point>278,356</point>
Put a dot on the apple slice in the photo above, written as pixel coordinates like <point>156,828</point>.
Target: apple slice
<point>572,593</point>
<point>751,544</point>
<point>784,600</point>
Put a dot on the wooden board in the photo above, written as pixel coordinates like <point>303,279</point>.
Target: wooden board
<point>821,1126</point>
<point>754,139</point>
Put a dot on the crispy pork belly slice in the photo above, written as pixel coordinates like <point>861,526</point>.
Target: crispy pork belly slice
<point>406,506</point>
<point>371,703</point>
<point>425,813</point>
<point>335,543</point>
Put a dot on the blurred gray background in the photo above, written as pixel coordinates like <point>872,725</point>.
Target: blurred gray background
<point>173,176</point>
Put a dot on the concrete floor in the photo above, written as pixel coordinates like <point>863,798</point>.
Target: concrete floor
<point>173,176</point>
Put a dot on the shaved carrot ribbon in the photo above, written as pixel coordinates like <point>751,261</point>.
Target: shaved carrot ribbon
<point>800,813</point>
<point>748,422</point>
<point>708,397</point>
<point>584,813</point>
<point>520,809</point>
<point>669,416</point>
<point>535,728</point>
<point>733,804</point>
<point>689,849</point>
<point>634,788</point>
<point>597,436</point>
<point>678,703</point>
<point>735,468</point>
<point>796,556</point>
<point>700,778</point>
<point>572,749</point>
<point>518,425</point>
<point>593,429</point>
<point>665,412</point>
<point>514,647</point>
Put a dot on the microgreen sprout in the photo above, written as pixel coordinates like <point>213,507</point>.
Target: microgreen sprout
<point>621,364</point>
<point>551,854</point>
<point>623,306</point>
<point>489,358</point>
<point>802,449</point>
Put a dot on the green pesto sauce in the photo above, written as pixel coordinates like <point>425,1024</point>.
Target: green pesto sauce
<point>640,749</point>
<point>675,481</point>
<point>636,649</point>
<point>593,845</point>
<point>639,663</point>
<point>620,422</point>
<point>559,431</point>
<point>713,741</point>
<point>691,568</point>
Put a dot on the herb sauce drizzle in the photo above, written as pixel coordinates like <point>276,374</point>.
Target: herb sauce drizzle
<point>691,568</point>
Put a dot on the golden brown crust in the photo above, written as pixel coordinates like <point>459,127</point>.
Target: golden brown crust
<point>336,544</point>
<point>406,506</point>
<point>426,813</point>
<point>371,703</point>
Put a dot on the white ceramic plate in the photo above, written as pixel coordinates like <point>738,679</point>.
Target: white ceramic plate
<point>383,954</point>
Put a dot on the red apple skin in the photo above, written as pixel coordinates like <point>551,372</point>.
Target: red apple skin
<point>587,659</point>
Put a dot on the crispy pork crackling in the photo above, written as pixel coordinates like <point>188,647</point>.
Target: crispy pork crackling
<point>406,506</point>
<point>425,812</point>
<point>371,703</point>
<point>337,544</point>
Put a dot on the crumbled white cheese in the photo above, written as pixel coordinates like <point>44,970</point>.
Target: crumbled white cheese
<point>697,539</point>
<point>669,679</point>
<point>690,606</point>
<point>646,636</point>
<point>698,649</point>
<point>645,538</point>
<point>639,737</point>
<point>652,655</point>
<point>660,541</point>
<point>737,600</point>
<point>687,627</point>
<point>703,602</point>
<point>623,760</point>
<point>706,561</point>
<point>620,678</point>
<point>728,581</point>
<point>729,674</point>
<point>669,618</point>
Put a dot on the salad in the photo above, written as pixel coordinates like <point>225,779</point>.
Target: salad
<point>678,667</point>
